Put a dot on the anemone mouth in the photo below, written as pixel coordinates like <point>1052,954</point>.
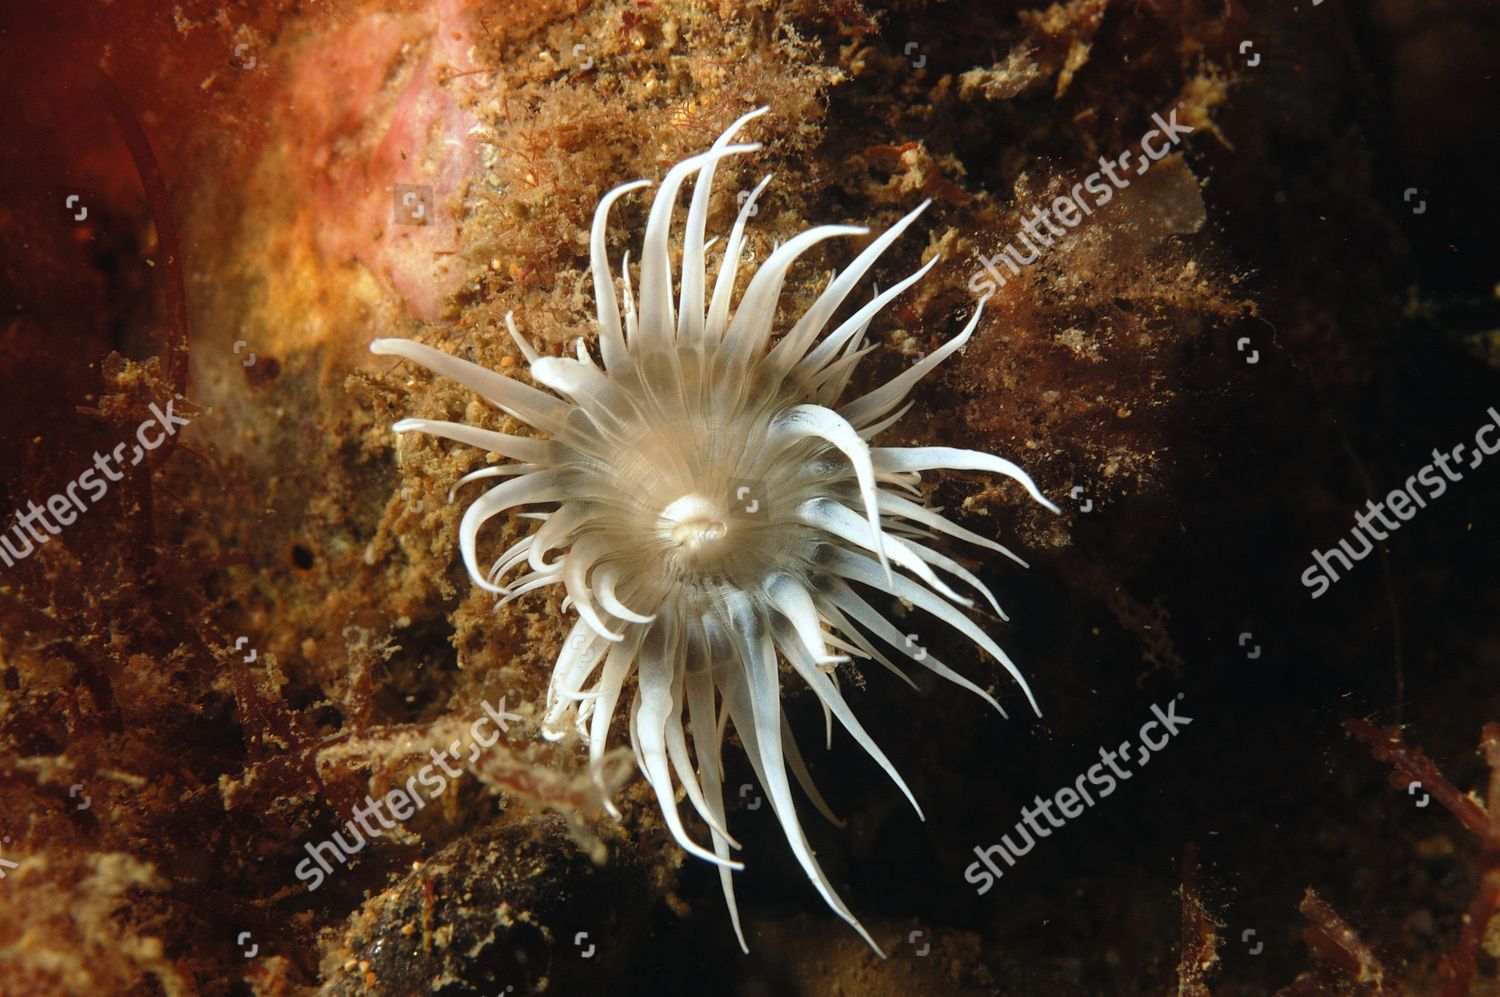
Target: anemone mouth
<point>695,527</point>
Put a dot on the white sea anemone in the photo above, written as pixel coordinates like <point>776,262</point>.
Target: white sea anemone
<point>714,505</point>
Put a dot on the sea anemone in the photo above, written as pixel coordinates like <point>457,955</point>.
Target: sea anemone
<point>716,509</point>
